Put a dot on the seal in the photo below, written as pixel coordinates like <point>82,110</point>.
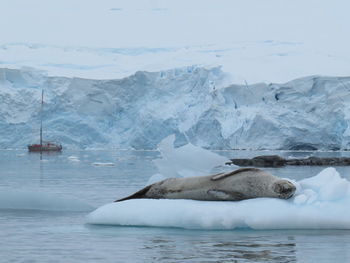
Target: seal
<point>241,184</point>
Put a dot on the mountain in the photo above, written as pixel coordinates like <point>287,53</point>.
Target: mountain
<point>194,103</point>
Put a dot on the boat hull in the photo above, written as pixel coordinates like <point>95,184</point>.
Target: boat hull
<point>44,148</point>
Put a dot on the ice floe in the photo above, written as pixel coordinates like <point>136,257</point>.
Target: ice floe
<point>321,202</point>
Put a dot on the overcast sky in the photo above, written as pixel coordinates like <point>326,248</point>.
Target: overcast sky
<point>105,23</point>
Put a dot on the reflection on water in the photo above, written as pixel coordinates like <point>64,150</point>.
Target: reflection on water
<point>258,251</point>
<point>218,247</point>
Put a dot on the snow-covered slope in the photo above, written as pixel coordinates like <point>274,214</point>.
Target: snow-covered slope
<point>246,61</point>
<point>193,103</point>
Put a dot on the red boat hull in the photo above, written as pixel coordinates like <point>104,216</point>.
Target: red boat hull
<point>50,147</point>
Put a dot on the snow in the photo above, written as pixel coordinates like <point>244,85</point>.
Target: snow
<point>247,61</point>
<point>318,204</point>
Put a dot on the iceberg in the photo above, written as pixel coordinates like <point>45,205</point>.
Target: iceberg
<point>319,203</point>
<point>194,104</point>
<point>187,160</point>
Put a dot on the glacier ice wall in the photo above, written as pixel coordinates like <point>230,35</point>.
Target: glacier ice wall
<point>193,103</point>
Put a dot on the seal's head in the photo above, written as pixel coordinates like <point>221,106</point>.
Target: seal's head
<point>284,189</point>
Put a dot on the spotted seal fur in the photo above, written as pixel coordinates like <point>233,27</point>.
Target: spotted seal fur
<point>241,184</point>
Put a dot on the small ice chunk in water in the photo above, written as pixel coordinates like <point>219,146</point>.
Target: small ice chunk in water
<point>188,160</point>
<point>155,178</point>
<point>328,185</point>
<point>73,158</point>
<point>103,164</point>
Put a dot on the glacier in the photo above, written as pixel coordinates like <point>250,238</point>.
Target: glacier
<point>196,104</point>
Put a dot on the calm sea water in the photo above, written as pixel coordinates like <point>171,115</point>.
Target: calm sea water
<point>61,236</point>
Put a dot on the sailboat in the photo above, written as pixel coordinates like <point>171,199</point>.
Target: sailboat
<point>44,146</point>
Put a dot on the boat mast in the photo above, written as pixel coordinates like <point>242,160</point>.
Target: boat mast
<point>41,118</point>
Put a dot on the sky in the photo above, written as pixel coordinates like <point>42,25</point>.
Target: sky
<point>167,23</point>
<point>268,40</point>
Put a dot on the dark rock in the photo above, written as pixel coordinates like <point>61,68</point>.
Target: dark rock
<point>335,161</point>
<point>269,161</point>
<point>261,161</point>
<point>303,147</point>
<point>278,161</point>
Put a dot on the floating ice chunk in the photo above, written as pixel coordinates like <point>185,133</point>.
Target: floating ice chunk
<point>188,160</point>
<point>103,164</point>
<point>328,185</point>
<point>40,201</point>
<point>317,205</point>
<point>155,178</point>
<point>73,159</point>
<point>122,159</point>
<point>185,161</point>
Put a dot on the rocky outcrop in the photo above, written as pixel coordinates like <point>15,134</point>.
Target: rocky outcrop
<point>261,161</point>
<point>278,161</point>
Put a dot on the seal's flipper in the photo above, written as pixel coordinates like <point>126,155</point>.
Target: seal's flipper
<point>219,194</point>
<point>220,176</point>
<point>226,196</point>
<point>138,195</point>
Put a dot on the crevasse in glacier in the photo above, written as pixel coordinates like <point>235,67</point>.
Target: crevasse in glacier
<point>194,103</point>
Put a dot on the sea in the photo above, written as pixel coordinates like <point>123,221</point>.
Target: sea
<point>45,200</point>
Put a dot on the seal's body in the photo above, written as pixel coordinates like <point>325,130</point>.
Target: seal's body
<point>238,185</point>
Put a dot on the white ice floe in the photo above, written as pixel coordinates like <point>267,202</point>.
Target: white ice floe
<point>321,202</point>
<point>185,161</point>
<point>188,160</point>
<point>73,158</point>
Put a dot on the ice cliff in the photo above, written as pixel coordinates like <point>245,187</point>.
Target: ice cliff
<point>196,104</point>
